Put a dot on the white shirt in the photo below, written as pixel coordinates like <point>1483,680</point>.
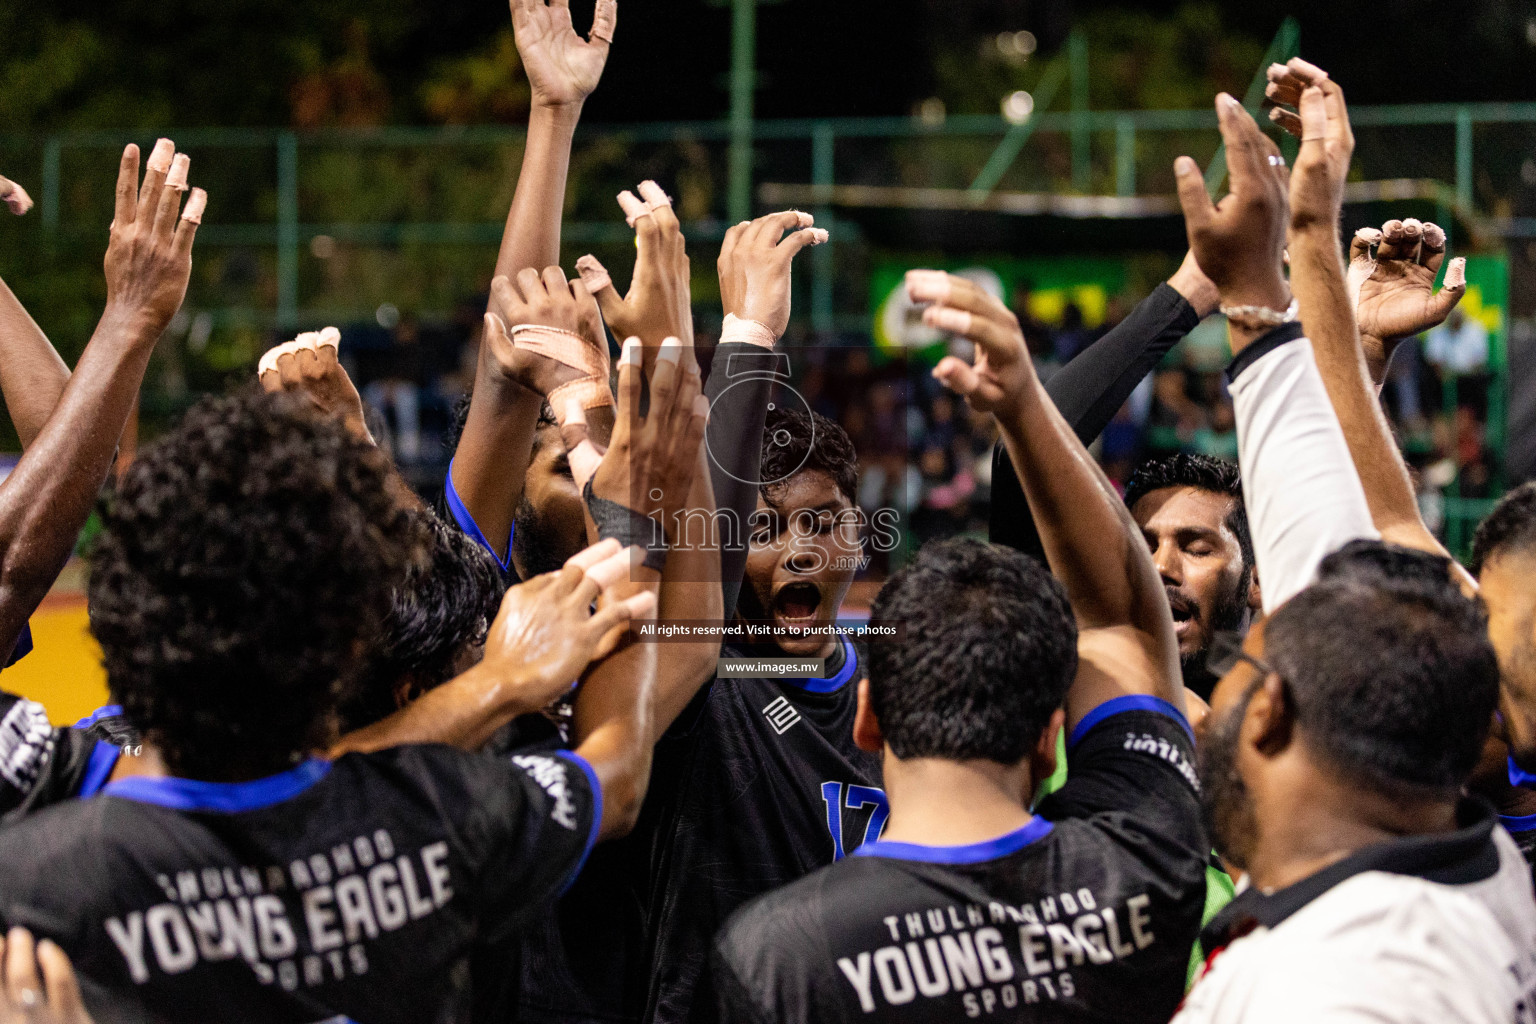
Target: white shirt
<point>1303,496</point>
<point>1383,945</point>
<point>1461,349</point>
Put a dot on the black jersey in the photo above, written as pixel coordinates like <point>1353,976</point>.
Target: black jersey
<point>1086,913</point>
<point>41,764</point>
<point>762,785</point>
<point>359,887</point>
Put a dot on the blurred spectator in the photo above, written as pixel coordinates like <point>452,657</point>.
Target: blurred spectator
<point>398,373</point>
<point>1459,346</point>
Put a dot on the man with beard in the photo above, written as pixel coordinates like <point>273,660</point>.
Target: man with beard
<point>971,904</point>
<point>1190,510</point>
<point>1503,553</point>
<point>1344,726</point>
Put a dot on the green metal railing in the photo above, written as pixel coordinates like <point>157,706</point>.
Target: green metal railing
<point>1124,130</point>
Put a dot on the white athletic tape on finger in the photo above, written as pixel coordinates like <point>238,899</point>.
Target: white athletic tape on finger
<point>180,167</point>
<point>160,157</point>
<point>565,347</point>
<point>329,336</point>
<point>1434,235</point>
<point>306,339</point>
<point>593,273</point>
<point>588,392</point>
<point>751,332</point>
<point>653,196</point>
<point>604,19</point>
<point>273,354</point>
<point>928,285</point>
<point>196,204</point>
<point>15,197</point>
<point>633,207</point>
<point>1456,274</point>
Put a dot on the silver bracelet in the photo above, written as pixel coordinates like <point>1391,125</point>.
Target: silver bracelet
<point>1260,316</point>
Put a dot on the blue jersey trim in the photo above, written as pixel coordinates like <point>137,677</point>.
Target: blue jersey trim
<point>1120,705</point>
<point>1511,823</point>
<point>969,853</point>
<point>105,711</point>
<point>99,768</point>
<point>23,645</point>
<point>597,813</point>
<point>833,683</point>
<point>1520,778</point>
<point>224,797</point>
<point>469,526</point>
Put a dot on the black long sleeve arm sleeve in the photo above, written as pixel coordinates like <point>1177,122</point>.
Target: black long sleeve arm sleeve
<point>735,440</point>
<point>1089,390</point>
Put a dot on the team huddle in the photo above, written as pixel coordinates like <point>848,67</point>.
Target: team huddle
<point>1243,744</point>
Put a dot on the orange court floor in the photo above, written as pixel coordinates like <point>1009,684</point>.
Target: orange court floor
<point>63,673</point>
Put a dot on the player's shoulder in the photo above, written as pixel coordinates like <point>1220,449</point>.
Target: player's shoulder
<point>805,909</point>
<point>70,836</point>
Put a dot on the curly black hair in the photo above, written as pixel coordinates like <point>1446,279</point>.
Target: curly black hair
<point>441,609</point>
<point>1201,472</point>
<point>244,562</point>
<point>795,441</point>
<point>1511,525</point>
<point>987,649</point>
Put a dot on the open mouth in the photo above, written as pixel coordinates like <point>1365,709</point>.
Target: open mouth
<point>1184,612</point>
<point>796,603</point>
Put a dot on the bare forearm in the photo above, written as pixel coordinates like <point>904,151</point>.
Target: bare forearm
<point>1090,541</point>
<point>491,460</point>
<point>46,499</point>
<point>690,592</point>
<point>464,712</point>
<point>32,376</point>
<point>532,236</point>
<point>612,725</point>
<point>1327,314</point>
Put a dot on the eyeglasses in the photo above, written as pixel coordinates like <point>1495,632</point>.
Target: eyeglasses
<point>1226,651</point>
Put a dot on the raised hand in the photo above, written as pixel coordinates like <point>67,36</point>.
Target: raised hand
<point>1238,242</point>
<point>649,465</point>
<point>1321,121</point>
<point>658,304</point>
<point>994,382</point>
<point>308,365</point>
<point>754,267</point>
<point>1392,279</point>
<point>14,196</point>
<point>546,633</point>
<point>562,68</point>
<point>149,256</point>
<point>555,344</point>
<point>27,999</point>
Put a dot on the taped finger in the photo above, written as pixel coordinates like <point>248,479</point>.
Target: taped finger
<point>14,196</point>
<point>633,207</point>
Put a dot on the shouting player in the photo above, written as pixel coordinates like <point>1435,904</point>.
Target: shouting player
<point>971,904</point>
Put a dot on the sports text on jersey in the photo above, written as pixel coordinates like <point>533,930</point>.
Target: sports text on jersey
<point>998,955</point>
<point>350,893</point>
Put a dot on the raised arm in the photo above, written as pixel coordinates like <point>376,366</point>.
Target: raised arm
<point>1090,389</point>
<point>616,721</point>
<point>754,265</point>
<point>46,499</point>
<point>32,376</point>
<point>491,460</point>
<point>1327,308</point>
<point>1126,642</point>
<point>1303,496</point>
<point>545,635</point>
